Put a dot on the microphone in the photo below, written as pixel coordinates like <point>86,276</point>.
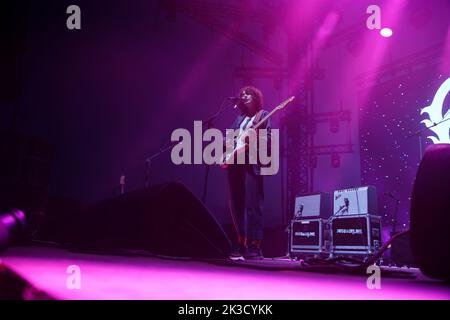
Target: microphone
<point>236,100</point>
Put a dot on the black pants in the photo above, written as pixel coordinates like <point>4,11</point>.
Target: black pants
<point>246,194</point>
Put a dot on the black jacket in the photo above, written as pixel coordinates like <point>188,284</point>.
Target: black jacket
<point>256,168</point>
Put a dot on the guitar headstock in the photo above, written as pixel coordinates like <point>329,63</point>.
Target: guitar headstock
<point>285,103</point>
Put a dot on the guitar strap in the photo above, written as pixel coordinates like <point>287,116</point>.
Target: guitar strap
<point>258,117</point>
<point>240,122</point>
<point>246,121</point>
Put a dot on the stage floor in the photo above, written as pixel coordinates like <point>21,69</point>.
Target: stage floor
<point>129,277</point>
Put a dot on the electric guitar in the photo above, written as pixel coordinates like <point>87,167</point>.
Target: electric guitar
<point>240,144</point>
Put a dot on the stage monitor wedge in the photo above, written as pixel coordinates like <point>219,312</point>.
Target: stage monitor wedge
<point>166,219</point>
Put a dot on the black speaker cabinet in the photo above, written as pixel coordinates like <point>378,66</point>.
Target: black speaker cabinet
<point>430,213</point>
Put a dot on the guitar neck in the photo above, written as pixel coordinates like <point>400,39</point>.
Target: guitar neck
<point>264,119</point>
<point>281,106</point>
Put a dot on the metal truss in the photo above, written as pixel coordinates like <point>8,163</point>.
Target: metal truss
<point>211,14</point>
<point>276,74</point>
<point>296,124</point>
<point>403,66</point>
<point>329,149</point>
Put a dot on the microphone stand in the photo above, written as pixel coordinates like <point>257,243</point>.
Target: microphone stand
<point>336,213</point>
<point>171,144</point>
<point>397,204</point>
<point>209,125</point>
<point>419,134</point>
<point>148,161</point>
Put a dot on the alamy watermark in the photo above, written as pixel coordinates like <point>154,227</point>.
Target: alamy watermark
<point>374,280</point>
<point>74,279</point>
<point>74,20</point>
<point>373,22</point>
<point>260,148</point>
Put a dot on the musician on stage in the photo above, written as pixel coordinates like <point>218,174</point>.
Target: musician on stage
<point>246,193</point>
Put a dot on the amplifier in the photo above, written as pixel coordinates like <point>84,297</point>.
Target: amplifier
<point>356,234</point>
<point>362,200</point>
<point>313,205</point>
<point>307,236</point>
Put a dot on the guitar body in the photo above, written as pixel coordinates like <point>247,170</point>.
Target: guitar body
<point>240,145</point>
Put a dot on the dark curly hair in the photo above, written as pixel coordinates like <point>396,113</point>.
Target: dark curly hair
<point>257,95</point>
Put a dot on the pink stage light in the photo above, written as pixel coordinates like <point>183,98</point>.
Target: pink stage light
<point>386,32</point>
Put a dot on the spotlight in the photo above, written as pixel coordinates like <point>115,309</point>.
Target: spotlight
<point>334,126</point>
<point>335,160</point>
<point>12,225</point>
<point>386,32</point>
